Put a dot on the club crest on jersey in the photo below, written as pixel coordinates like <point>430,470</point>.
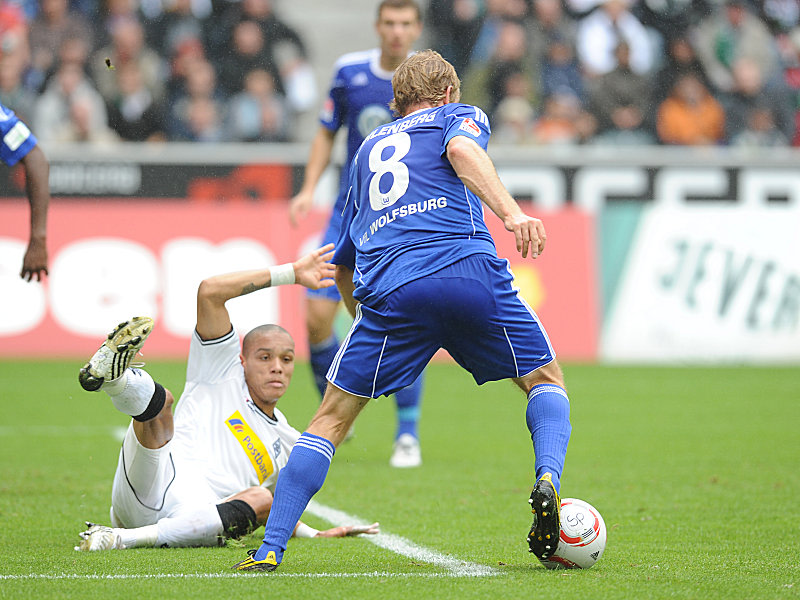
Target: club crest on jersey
<point>276,447</point>
<point>371,117</point>
<point>470,127</point>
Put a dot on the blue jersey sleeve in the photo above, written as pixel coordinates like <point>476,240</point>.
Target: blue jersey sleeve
<point>334,110</point>
<point>345,254</point>
<point>16,140</point>
<point>469,121</point>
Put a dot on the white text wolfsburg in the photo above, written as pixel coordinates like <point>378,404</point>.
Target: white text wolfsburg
<point>406,210</point>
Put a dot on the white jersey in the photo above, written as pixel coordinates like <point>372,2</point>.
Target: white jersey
<point>218,427</point>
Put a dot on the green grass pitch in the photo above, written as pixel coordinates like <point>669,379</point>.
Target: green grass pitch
<point>695,470</point>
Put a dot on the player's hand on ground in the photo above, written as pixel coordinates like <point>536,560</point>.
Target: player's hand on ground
<point>299,207</point>
<point>315,270</point>
<point>350,530</point>
<point>528,232</point>
<point>34,263</point>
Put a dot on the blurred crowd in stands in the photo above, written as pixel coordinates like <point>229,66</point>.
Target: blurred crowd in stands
<point>628,72</point>
<point>177,70</point>
<point>618,72</point>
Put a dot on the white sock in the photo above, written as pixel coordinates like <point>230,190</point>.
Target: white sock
<point>139,537</point>
<point>199,527</point>
<point>131,393</point>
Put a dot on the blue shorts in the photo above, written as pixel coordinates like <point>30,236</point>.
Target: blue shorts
<point>468,308</point>
<point>331,237</point>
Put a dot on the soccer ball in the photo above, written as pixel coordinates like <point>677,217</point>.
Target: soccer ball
<point>583,536</point>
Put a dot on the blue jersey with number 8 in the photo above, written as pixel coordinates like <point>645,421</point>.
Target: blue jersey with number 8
<point>407,213</point>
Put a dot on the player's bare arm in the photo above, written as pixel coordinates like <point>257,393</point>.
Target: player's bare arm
<point>313,271</point>
<point>318,160</point>
<point>37,186</point>
<point>344,281</point>
<point>339,532</point>
<point>474,167</point>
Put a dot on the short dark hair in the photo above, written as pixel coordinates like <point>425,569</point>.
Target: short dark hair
<point>400,4</point>
<point>262,330</point>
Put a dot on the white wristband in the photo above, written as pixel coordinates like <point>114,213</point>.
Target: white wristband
<point>281,275</point>
<point>304,531</point>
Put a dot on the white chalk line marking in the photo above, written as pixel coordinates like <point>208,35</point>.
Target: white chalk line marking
<point>401,545</point>
<point>393,543</point>
<point>278,574</point>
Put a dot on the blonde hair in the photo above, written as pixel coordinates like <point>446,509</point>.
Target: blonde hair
<point>423,78</point>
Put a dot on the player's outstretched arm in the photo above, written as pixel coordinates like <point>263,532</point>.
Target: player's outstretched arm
<point>313,271</point>
<point>303,530</point>
<point>318,160</point>
<point>37,188</point>
<point>350,530</point>
<point>474,167</point>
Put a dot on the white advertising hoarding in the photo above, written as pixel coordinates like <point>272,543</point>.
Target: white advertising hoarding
<point>708,283</point>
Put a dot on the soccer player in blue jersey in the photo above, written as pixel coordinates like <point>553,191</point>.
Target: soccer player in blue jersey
<point>18,145</point>
<point>359,100</point>
<point>419,270</point>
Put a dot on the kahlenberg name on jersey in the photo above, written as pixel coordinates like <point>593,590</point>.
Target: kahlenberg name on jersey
<point>402,125</point>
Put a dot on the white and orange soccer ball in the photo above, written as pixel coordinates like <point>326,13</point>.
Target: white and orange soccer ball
<point>583,536</point>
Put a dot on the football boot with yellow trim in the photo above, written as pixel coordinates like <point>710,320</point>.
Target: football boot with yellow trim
<point>99,537</point>
<point>116,353</point>
<point>546,509</point>
<point>269,563</point>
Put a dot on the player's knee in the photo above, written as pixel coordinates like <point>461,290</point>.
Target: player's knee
<point>162,398</point>
<point>259,499</point>
<point>549,374</point>
<point>320,315</point>
<point>169,400</point>
<point>238,518</point>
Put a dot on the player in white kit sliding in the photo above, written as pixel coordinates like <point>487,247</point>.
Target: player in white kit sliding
<point>208,472</point>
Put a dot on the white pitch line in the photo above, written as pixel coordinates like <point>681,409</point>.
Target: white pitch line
<point>401,545</point>
<point>278,574</point>
<point>393,543</point>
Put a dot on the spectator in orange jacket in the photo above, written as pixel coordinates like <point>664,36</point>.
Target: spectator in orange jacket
<point>690,115</point>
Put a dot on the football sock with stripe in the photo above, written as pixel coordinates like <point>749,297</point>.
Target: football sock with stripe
<point>136,394</point>
<point>321,357</point>
<point>547,416</point>
<point>299,480</point>
<point>201,526</point>
<point>408,407</point>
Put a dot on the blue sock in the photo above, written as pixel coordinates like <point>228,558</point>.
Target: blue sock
<point>547,416</point>
<point>299,480</point>
<point>322,355</point>
<point>408,401</point>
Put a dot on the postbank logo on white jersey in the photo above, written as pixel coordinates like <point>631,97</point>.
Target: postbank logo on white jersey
<point>251,445</point>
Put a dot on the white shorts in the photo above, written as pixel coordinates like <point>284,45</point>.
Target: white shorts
<point>150,485</point>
